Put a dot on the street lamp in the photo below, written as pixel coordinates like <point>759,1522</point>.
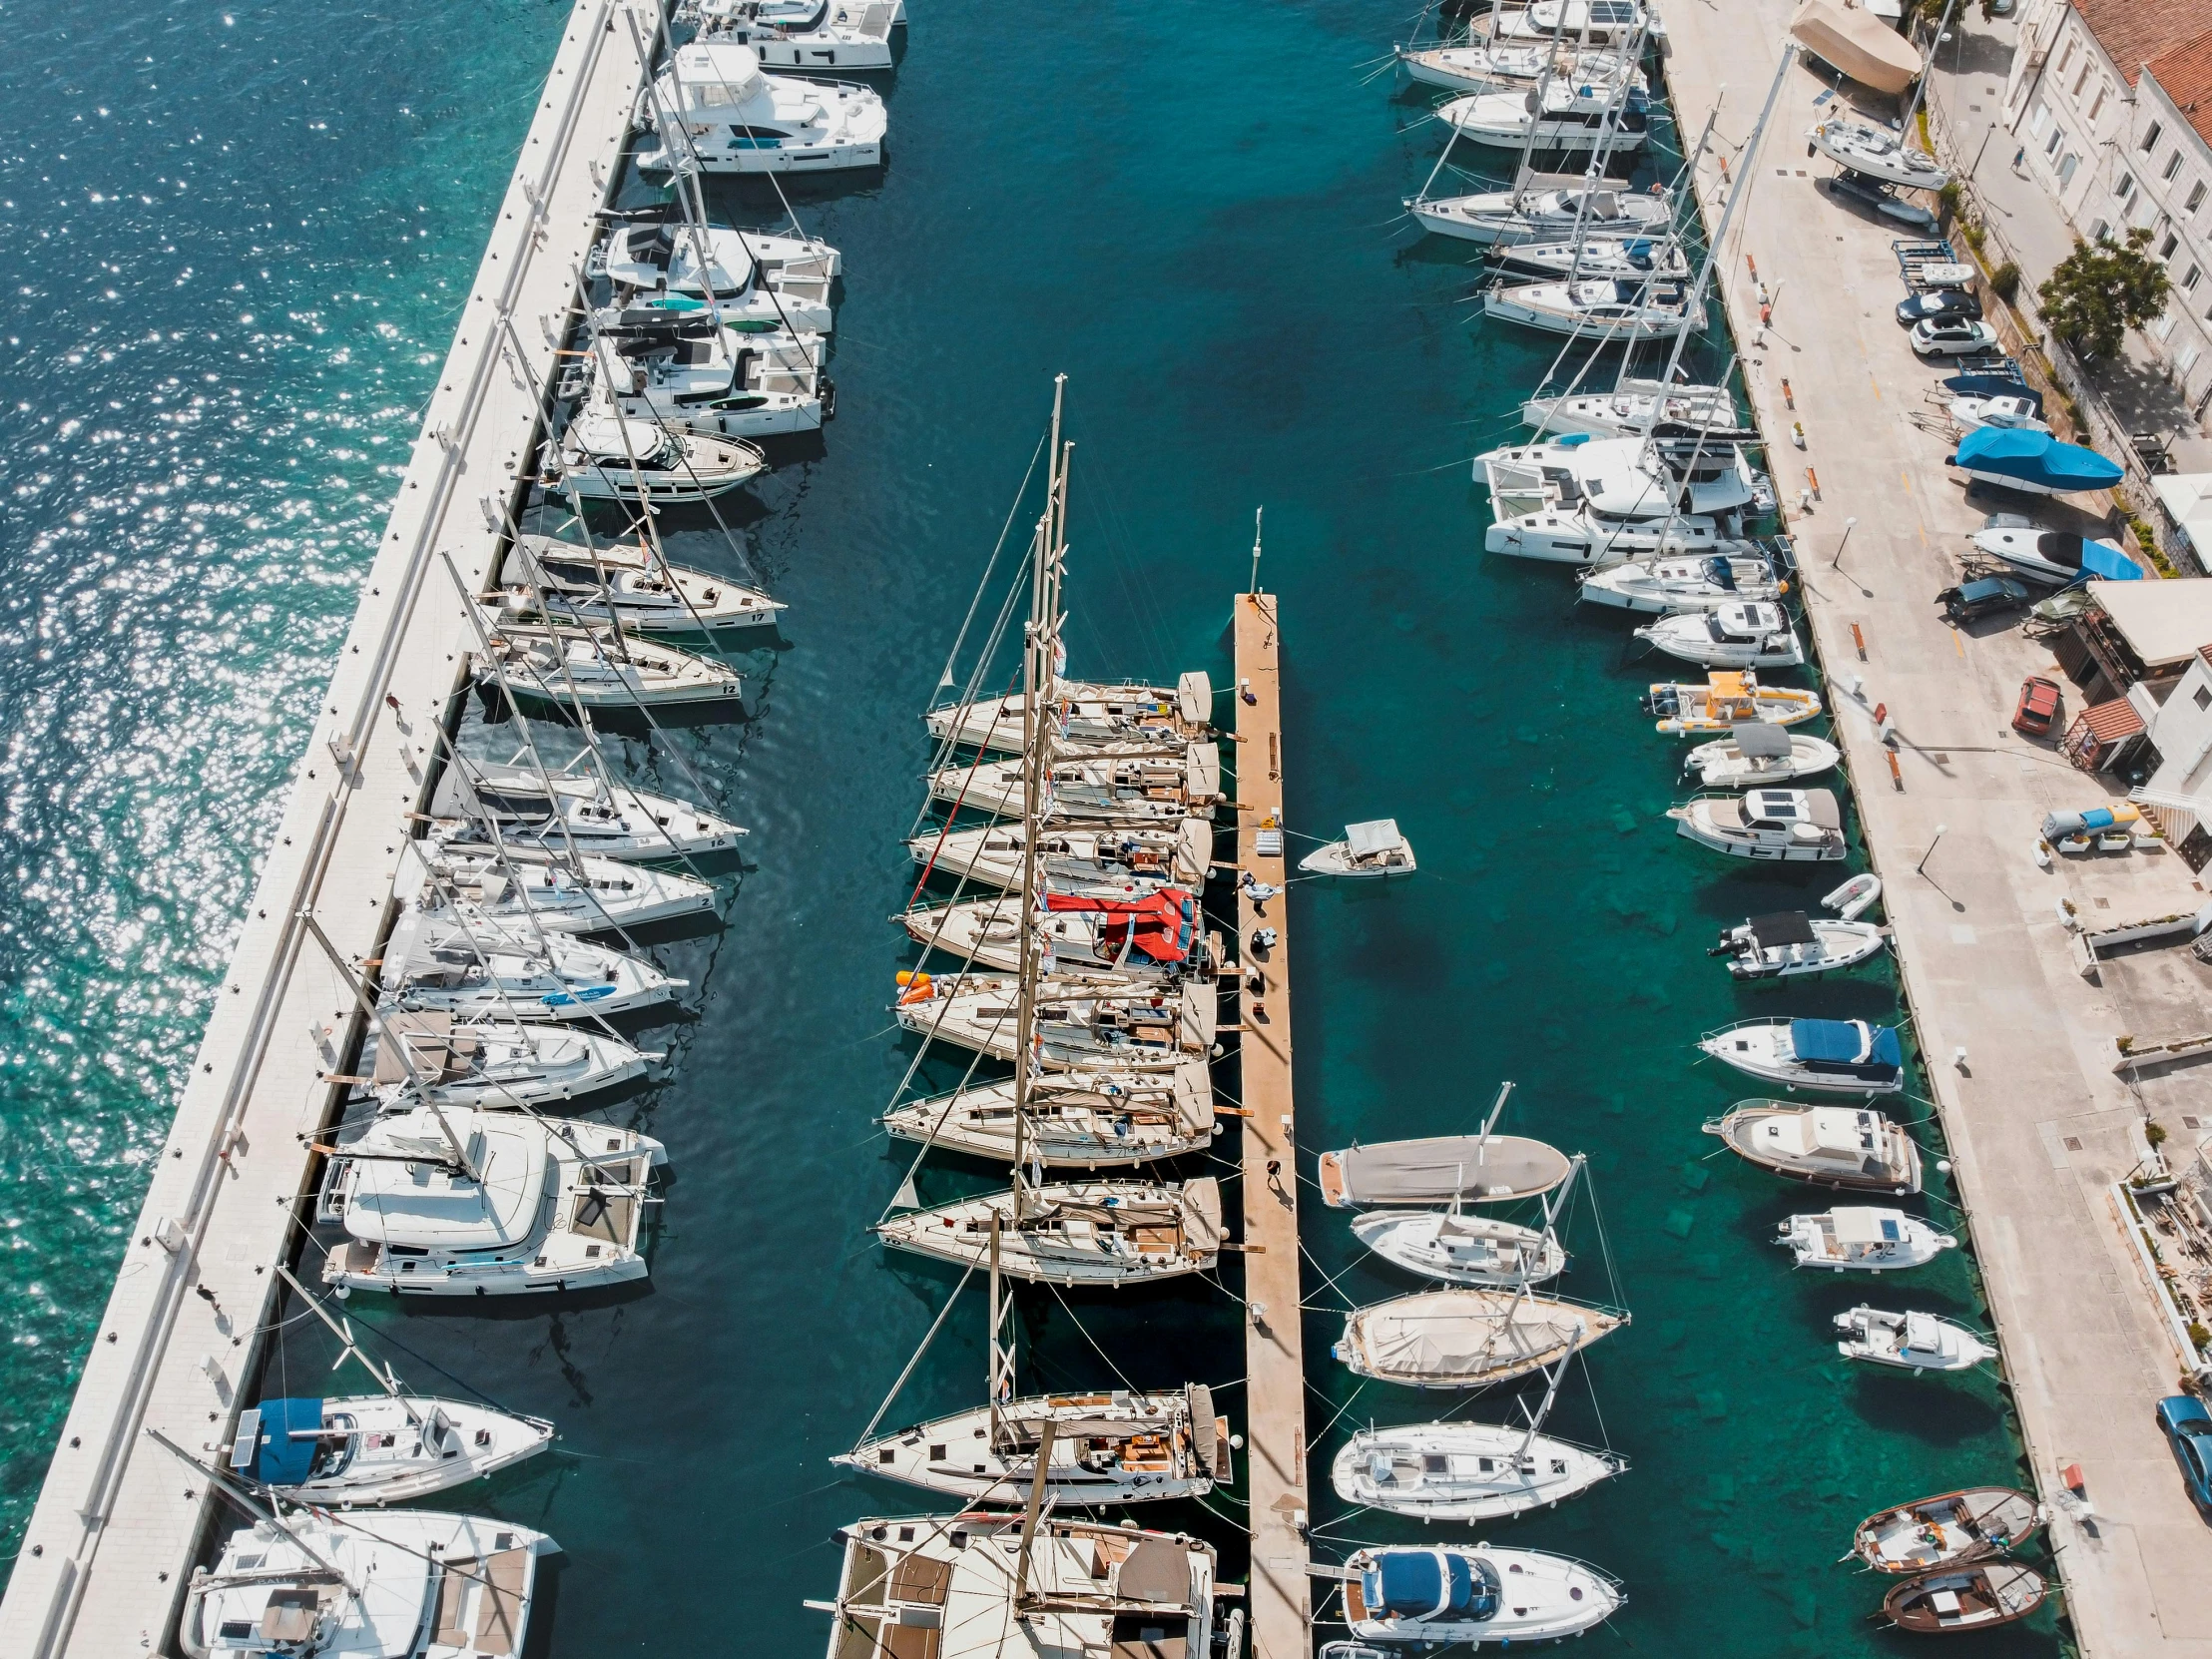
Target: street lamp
<point>1836,562</point>
<point>1930,853</point>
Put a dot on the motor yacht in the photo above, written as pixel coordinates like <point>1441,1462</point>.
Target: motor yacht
<point>398,1584</point>
<point>1834,1056</point>
<point>484,806</point>
<point>751,281</point>
<point>1948,1530</point>
<point>1742,633</point>
<point>1847,1149</point>
<point>1876,153</point>
<point>1122,1446</point>
<point>1074,1233</point>
<point>1088,715</point>
<point>1453,1593</point>
<point>1757,753</point>
<point>1553,115</point>
<point>1775,825</point>
<point>686,372</point>
<point>600,668</point>
<point>1584,536</point>
<point>1468,1338</point>
<point>1544,214</point>
<point>1076,1120</point>
<point>1909,1342</point>
<point>377,1449</point>
<point>1082,1023</point>
<point>488,1064</point>
<point>1858,1237</point>
<point>439,1202</point>
<point>1464,1472</point>
<point>814,36</point>
<point>1612,310</point>
<point>1726,702</point>
<point>1640,478</point>
<point>1790,944</point>
<point>1117,862</point>
<point>713,109</point>
<point>1681,586</point>
<point>1139,786</point>
<point>626,583</point>
<point>1154,936</point>
<point>605,458</point>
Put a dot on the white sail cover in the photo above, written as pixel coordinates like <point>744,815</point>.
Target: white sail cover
<point>1470,1334</point>
<point>1443,1166</point>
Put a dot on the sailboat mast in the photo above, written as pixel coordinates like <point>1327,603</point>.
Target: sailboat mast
<point>1001,1378</point>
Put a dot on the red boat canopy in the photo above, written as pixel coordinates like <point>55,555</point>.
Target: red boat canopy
<point>1163,923</point>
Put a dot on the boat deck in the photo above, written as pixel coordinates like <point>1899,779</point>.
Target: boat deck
<point>105,1554</point>
<point>1275,1354</point>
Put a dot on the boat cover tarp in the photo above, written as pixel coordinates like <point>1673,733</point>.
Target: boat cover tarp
<point>1156,1572</point>
<point>1996,385</point>
<point>277,1458</point>
<point>1439,1168</point>
<point>1205,1440</point>
<point>1201,1204</point>
<point>1855,1225</point>
<point>2101,558</point>
<point>1376,836</point>
<point>1858,43</point>
<point>1201,771</point>
<point>1194,696</point>
<point>1760,740</point>
<point>1466,1335</point>
<point>1844,1043</point>
<point>2036,459</point>
<point>1783,928</point>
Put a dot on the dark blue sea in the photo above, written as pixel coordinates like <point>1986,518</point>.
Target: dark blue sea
<point>237,240</point>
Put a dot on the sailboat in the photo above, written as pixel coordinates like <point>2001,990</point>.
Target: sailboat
<point>1072,1120</point>
<point>464,967</point>
<point>1073,1022</point>
<point>1108,861</point>
<point>1461,1249</point>
<point>1100,715</point>
<point>606,458</point>
<point>548,579</point>
<point>599,667</point>
<point>1118,1445</point>
<point>1469,1471</point>
<point>1468,1338</point>
<point>1486,66</point>
<point>1075,1233</point>
<point>1484,1168</point>
<point>576,808</point>
<point>1138,784</point>
<point>1153,937</point>
<point>491,1063</point>
<point>524,889</point>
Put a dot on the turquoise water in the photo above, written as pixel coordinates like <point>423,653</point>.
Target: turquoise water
<point>1195,215</point>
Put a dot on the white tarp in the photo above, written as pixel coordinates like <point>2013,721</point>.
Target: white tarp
<point>2187,498</point>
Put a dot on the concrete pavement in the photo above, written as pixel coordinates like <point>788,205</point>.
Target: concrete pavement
<point>2038,1124</point>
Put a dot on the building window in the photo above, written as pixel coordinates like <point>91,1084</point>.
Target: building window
<point>2065,57</point>
<point>2096,231</point>
<point>2188,360</point>
<point>2080,81</point>
<point>2096,108</point>
<point>2196,197</point>
<point>2037,123</point>
<point>2174,166</point>
<point>2189,282</point>
<point>2151,138</point>
<point>2164,326</point>
<point>2057,133</point>
<point>2201,698</point>
<point>2166,248</point>
<point>2126,188</point>
<point>2067,173</point>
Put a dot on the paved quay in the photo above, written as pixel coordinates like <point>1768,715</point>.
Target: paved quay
<point>1274,1363</point>
<point>110,1544</point>
<point>2038,1125</point>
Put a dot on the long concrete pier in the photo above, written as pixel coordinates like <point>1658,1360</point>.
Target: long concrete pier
<point>1275,1352</point>
<point>2018,1046</point>
<point>109,1547</point>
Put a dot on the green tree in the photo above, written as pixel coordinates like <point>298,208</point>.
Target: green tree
<point>2101,290</point>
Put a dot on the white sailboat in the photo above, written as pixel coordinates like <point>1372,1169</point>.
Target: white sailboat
<point>1074,1233</point>
<point>492,1064</point>
<point>1481,65</point>
<point>1626,258</point>
<point>464,967</point>
<point>1483,1168</point>
<point>1876,153</point>
<point>1091,714</point>
<point>1078,1024</point>
<point>1459,1249</point>
<point>605,457</point>
<point>626,584</point>
<point>520,889</point>
<point>1554,115</point>
<point>600,668</point>
<point>1468,1338</point>
<point>1598,22</point>
<point>1680,586</point>
<point>1135,785</point>
<point>1155,937</point>
<point>1072,1120</point>
<point>1544,214</point>
<point>1614,311</point>
<point>483,805</point>
<point>713,109</point>
<point>1637,408</point>
<point>1114,862</point>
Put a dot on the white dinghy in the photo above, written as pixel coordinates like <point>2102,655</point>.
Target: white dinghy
<point>1876,153</point>
<point>1847,1149</point>
<point>1736,634</point>
<point>491,806</point>
<point>714,111</point>
<point>623,582</point>
<point>1118,862</point>
<point>1836,1056</point>
<point>1076,1120</point>
<point>1729,700</point>
<point>1080,1022</point>
<point>1789,944</point>
<point>1115,787</point>
<point>1854,897</point>
<point>1909,1342</point>
<point>754,281</point>
<point>1088,715</point>
<point>1468,1338</point>
<point>1074,1233</point>
<point>1757,753</point>
<point>600,668</point>
<point>1453,1593</point>
<point>605,457</point>
<point>462,1203</point>
<point>1680,587</point>
<point>1856,1238</point>
<point>399,1584</point>
<point>1766,826</point>
<point>492,1064</point>
<point>1374,847</point>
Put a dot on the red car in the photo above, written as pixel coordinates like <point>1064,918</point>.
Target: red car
<point>2037,711</point>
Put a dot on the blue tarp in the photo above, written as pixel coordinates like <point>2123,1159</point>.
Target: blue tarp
<point>1994,385</point>
<point>2101,558</point>
<point>2035,459</point>
<point>281,1460</point>
<point>1404,1582</point>
<point>1843,1042</point>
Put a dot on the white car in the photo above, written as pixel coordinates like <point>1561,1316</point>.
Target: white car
<point>1953,336</point>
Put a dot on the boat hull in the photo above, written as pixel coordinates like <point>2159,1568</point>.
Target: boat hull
<point>1466,1338</point>
<point>1524,1472</point>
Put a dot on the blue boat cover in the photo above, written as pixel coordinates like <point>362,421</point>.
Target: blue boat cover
<point>2101,558</point>
<point>1570,440</point>
<point>1844,1043</point>
<point>281,1460</point>
<point>1994,385</point>
<point>1722,574</point>
<point>1405,1582</point>
<point>2035,458</point>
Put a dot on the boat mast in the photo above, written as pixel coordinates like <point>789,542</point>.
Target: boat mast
<point>1001,1370</point>
<point>1482,1141</point>
<point>1040,645</point>
<point>1552,1392</point>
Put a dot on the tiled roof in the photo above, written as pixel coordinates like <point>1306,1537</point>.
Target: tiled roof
<point>2185,72</point>
<point>2132,32</point>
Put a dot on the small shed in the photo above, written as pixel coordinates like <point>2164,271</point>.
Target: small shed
<point>2105,734</point>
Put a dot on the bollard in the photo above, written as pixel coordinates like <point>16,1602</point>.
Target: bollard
<point>1750,265</point>
<point>1897,772</point>
<point>1813,482</point>
<point>1804,501</point>
<point>1859,640</point>
<point>1789,398</point>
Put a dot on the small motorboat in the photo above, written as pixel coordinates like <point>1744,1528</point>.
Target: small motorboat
<point>1674,587</point>
<point>1876,153</point>
<point>1611,310</point>
<point>1772,826</point>
<point>1461,1249</point>
<point>1516,216</point>
<point>1736,634</point>
<point>1790,944</point>
<point>1121,862</point>
<point>1074,1233</point>
<point>1836,1056</point>
<point>714,111</point>
<point>1628,259</point>
<point>1468,1338</point>
<point>1854,897</point>
<point>1947,1530</point>
<point>1858,1237</point>
<point>1848,1149</point>
<point>2053,555</point>
<point>1120,1447</point>
<point>1756,753</point>
<point>1482,1169</point>
<point>1082,1023</point>
<point>378,1448</point>
<point>1089,715</point>
<point>398,1584</point>
<point>1725,702</point>
<point>1076,1120</point>
<point>606,458</point>
<point>1977,1597</point>
<point>1464,1472</point>
<point>1451,1593</point>
<point>625,583</point>
<point>2018,413</point>
<point>1909,1342</point>
<point>1371,848</point>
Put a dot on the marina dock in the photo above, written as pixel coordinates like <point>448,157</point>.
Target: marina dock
<point>109,1547</point>
<point>2017,1045</point>
<point>1275,1362</point>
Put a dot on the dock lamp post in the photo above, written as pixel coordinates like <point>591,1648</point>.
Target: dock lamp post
<point>1836,562</point>
<point>1921,866</point>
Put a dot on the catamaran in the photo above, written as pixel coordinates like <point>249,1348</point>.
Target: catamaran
<point>752,281</point>
<point>807,34</point>
<point>689,373</point>
<point>714,111</point>
<point>1640,407</point>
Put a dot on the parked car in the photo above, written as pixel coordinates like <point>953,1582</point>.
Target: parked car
<point>1982,596</point>
<point>1919,307</point>
<point>2188,1427</point>
<point>2038,710</point>
<point>1953,336</point>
